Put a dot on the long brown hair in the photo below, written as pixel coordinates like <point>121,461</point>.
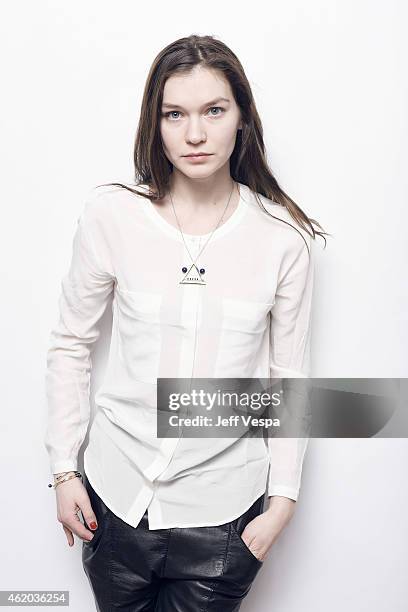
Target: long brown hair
<point>248,163</point>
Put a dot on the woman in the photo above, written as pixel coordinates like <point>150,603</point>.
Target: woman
<point>207,263</point>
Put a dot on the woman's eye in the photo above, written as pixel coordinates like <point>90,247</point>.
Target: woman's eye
<point>219,108</point>
<point>171,114</point>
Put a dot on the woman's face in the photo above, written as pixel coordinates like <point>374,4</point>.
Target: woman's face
<point>199,114</point>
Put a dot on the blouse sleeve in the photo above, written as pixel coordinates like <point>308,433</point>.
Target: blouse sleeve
<point>86,290</point>
<point>290,327</point>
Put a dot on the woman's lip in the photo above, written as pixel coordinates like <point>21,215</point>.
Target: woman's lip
<point>201,155</point>
<point>197,158</point>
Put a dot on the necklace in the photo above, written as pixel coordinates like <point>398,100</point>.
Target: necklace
<point>193,274</point>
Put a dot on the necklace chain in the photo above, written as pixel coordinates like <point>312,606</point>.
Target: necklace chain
<point>209,238</point>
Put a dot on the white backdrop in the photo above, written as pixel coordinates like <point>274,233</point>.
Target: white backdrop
<point>330,88</point>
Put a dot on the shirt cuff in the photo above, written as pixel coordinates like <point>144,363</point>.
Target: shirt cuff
<point>283,491</point>
<point>63,466</point>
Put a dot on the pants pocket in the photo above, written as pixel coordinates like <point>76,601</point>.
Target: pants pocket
<point>101,512</point>
<point>247,550</point>
<point>238,525</point>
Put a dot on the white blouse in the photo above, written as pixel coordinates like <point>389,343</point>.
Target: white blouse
<point>250,320</point>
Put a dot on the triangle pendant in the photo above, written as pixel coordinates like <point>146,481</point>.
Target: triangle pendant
<point>193,277</point>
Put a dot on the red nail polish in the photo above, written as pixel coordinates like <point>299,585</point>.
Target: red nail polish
<point>93,525</point>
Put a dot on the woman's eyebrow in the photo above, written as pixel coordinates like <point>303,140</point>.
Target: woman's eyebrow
<point>212,102</point>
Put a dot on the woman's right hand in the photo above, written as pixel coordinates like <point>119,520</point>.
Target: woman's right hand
<point>72,496</point>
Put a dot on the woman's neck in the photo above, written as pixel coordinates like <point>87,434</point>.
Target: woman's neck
<point>202,197</point>
<point>201,214</point>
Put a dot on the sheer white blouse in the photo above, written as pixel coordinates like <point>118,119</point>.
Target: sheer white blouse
<point>250,319</point>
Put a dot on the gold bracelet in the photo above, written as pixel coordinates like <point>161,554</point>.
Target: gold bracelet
<point>63,477</point>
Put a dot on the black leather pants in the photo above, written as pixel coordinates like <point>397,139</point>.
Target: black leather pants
<point>180,569</point>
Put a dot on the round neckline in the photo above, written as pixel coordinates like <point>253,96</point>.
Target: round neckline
<point>174,232</point>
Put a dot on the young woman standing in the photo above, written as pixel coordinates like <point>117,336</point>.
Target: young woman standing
<point>208,265</point>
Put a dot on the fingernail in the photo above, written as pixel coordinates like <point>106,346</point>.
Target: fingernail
<point>91,538</point>
<point>93,525</point>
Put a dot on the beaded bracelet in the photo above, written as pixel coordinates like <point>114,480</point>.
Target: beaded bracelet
<point>64,476</point>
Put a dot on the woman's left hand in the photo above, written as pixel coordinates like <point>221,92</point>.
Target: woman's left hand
<point>263,530</point>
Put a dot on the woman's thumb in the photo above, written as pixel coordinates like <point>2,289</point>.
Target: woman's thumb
<point>89,516</point>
